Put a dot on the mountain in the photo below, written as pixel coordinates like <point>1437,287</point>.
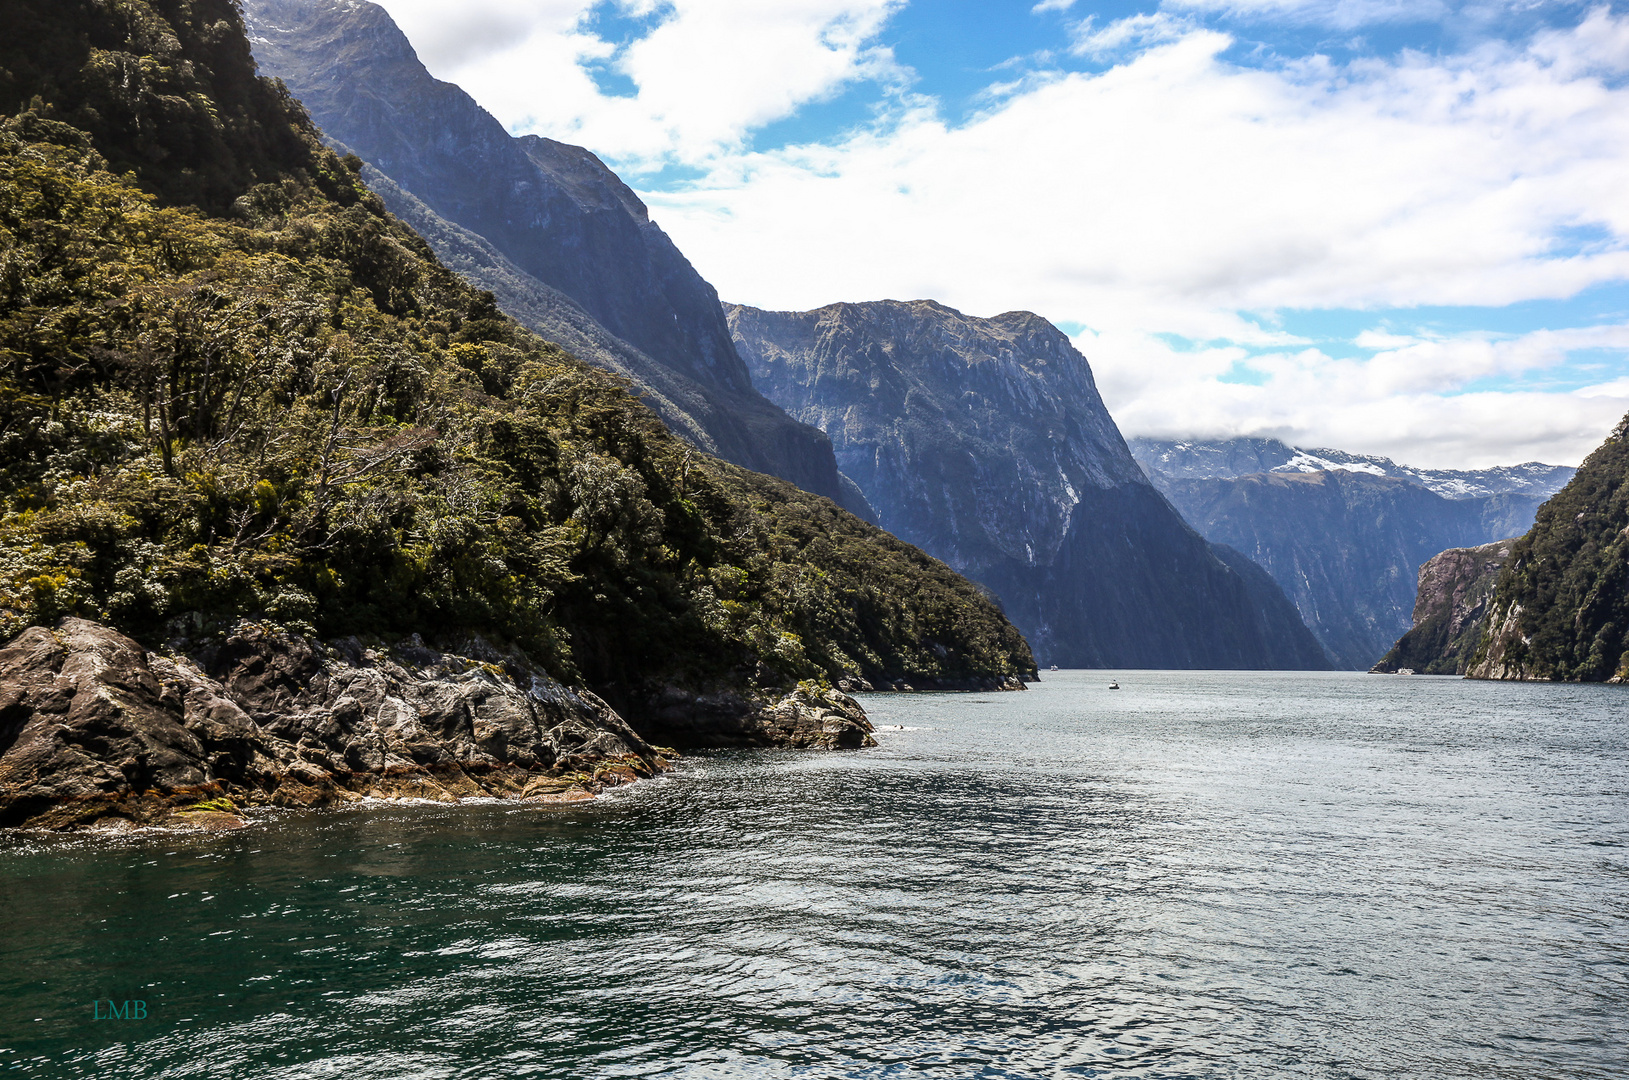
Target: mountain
<point>1345,545</point>
<point>566,247</point>
<point>1561,608</point>
<point>1450,607</point>
<point>259,447</point>
<point>1227,459</point>
<point>985,442</point>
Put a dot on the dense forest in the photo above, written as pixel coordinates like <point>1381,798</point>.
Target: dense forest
<point>1561,608</point>
<point>232,386</point>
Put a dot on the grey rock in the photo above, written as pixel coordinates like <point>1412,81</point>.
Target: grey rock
<point>1450,610</point>
<point>92,726</point>
<point>828,720</point>
<point>94,729</point>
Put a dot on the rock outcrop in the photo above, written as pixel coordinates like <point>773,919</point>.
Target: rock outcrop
<point>1450,606</point>
<point>986,443</point>
<point>566,247</point>
<point>96,730</point>
<point>1345,545</point>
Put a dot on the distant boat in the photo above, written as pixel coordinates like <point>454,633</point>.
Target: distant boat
<point>1114,686</point>
<point>1054,667</point>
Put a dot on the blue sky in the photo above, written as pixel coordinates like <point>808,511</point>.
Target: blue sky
<point>1390,226</point>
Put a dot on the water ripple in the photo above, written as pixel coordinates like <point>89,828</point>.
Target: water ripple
<point>1200,876</point>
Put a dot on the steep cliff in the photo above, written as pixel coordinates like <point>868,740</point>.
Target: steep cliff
<point>1561,608</point>
<point>985,442</point>
<point>1346,546</point>
<point>1450,606</point>
<point>282,411</point>
<point>569,250</point>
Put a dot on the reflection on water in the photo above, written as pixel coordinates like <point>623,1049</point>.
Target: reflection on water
<point>1200,875</point>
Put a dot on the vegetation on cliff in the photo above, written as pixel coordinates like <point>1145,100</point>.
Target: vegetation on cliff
<point>232,385</point>
<point>1561,609</point>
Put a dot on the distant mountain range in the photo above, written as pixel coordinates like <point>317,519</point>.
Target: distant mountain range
<point>563,244</point>
<point>1344,534</point>
<point>985,442</point>
<point>1227,459</point>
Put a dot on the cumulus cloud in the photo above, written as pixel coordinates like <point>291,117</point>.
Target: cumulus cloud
<point>1175,191</point>
<point>1341,14</point>
<point>1177,197</point>
<point>1135,30</point>
<point>700,77</point>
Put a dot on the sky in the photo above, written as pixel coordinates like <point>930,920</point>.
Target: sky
<point>1397,227</point>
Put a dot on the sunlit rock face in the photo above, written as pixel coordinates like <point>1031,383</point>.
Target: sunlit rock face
<point>565,246</point>
<point>1450,611</point>
<point>986,443</point>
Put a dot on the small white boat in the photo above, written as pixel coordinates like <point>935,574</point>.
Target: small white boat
<point>1114,685</point>
<point>1054,667</point>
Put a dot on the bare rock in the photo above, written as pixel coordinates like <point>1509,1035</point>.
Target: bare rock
<point>827,720</point>
<point>95,730</point>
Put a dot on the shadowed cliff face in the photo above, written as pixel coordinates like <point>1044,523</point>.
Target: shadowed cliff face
<point>1449,611</point>
<point>985,442</point>
<point>1345,546</point>
<point>546,226</point>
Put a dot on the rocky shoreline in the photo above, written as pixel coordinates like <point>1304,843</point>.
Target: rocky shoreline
<point>97,732</point>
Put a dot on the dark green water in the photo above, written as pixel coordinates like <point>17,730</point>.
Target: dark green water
<point>1202,875</point>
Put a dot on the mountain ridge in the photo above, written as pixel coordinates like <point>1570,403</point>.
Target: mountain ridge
<point>1230,459</point>
<point>985,441</point>
<point>563,223</point>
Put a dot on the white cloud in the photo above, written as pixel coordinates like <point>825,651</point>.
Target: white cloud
<point>1394,404</point>
<point>1174,194</point>
<point>704,75</point>
<point>1135,30</point>
<point>1341,14</point>
<point>1175,191</point>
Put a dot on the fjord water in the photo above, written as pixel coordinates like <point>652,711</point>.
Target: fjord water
<point>1199,875</point>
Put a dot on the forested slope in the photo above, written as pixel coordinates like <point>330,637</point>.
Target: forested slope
<point>233,386</point>
<point>1561,608</point>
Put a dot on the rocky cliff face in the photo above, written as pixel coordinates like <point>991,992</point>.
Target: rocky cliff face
<point>1346,546</point>
<point>1450,606</point>
<point>1561,608</point>
<point>97,731</point>
<point>985,442</point>
<point>1228,459</point>
<point>569,250</point>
